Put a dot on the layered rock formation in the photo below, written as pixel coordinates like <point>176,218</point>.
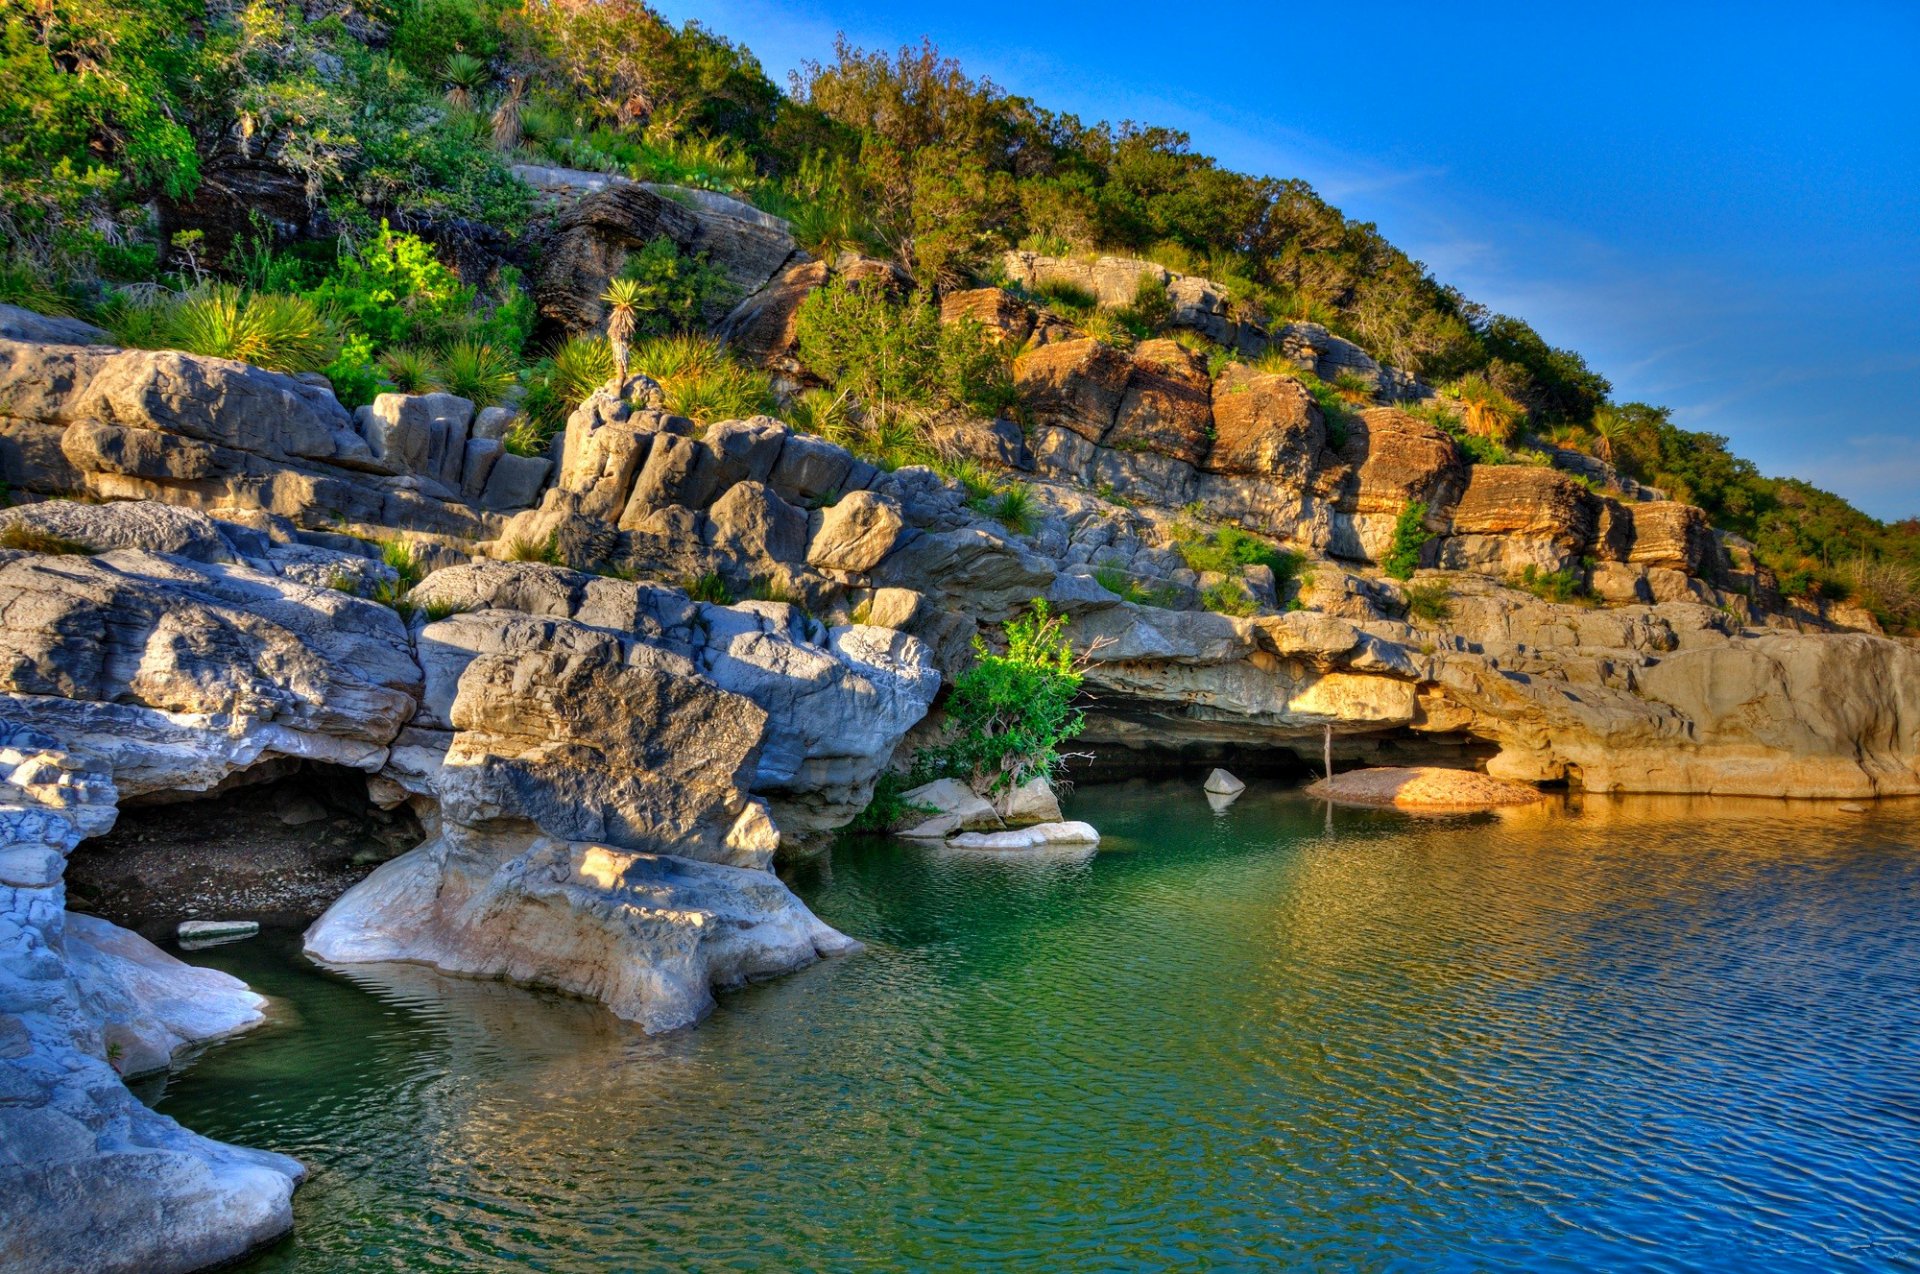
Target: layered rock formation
<point>587,750</point>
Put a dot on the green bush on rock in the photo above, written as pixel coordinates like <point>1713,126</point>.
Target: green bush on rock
<point>1012,713</point>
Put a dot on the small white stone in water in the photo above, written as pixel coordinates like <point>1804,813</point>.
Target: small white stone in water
<point>1221,783</point>
<point>1852,807</point>
<point>207,933</point>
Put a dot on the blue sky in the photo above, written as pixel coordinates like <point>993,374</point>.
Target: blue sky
<point>1718,205</point>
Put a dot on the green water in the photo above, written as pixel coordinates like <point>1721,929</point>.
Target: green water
<point>1647,1034</point>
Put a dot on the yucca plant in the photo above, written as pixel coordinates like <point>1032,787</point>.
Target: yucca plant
<point>477,371</point>
<point>408,370</point>
<point>1488,412</point>
<point>507,126</point>
<point>464,75</point>
<point>623,297</point>
<point>279,333</point>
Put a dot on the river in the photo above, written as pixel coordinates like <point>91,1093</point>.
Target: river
<point>1598,1034</point>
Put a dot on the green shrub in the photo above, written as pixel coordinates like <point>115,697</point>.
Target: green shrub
<point>562,381</point>
<point>897,357</point>
<point>1410,536</point>
<point>1069,300</point>
<point>675,290</point>
<point>397,291</point>
<point>25,285</point>
<point>1226,550</point>
<point>1150,310</point>
<point>1012,713</point>
<point>708,588</point>
<point>545,551</point>
<point>1127,588</point>
<point>1431,601</point>
<point>476,371</point>
<point>1552,586</point>
<point>405,561</point>
<point>1014,509</point>
<point>1229,597</point>
<point>1487,410</point>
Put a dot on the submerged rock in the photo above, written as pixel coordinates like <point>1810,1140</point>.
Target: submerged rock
<point>1039,836</point>
<point>1423,787</point>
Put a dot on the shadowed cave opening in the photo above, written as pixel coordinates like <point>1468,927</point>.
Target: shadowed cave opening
<point>1129,741</point>
<point>275,843</point>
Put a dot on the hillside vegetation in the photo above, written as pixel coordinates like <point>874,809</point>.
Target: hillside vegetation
<point>327,186</point>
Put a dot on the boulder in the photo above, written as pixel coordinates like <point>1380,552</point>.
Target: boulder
<point>761,328</point>
<point>514,482</point>
<point>756,527</point>
<point>856,534</point>
<point>949,799</point>
<point>150,1006</point>
<point>1005,317</point>
<point>1221,783</point>
<point>176,673</point>
<point>1039,836</point>
<point>128,524</point>
<point>18,324</point>
<point>648,935</point>
<point>482,455</point>
<point>1166,409</point>
<point>1031,802</point>
<point>592,239</point>
<point>1074,385</point>
<point>1666,533</point>
<point>421,434</point>
<point>586,738</point>
<point>1265,425</point>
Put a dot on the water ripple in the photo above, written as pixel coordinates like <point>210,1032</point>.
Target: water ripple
<point>1638,1033</point>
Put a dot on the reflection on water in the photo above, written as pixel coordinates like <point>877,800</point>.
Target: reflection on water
<point>1648,1033</point>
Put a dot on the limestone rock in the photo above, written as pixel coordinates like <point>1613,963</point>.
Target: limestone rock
<point>1039,836</point>
<point>1076,385</point>
<point>129,524</point>
<point>177,672</point>
<point>90,1178</point>
<point>17,324</point>
<point>1265,425</point>
<point>1166,409</point>
<point>648,935</point>
<point>585,740</point>
<point>1006,318</point>
<point>151,1006</point>
<point>856,534</point>
<point>761,327</point>
<point>1221,783</point>
<point>1031,802</point>
<point>592,239</point>
<point>953,800</point>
